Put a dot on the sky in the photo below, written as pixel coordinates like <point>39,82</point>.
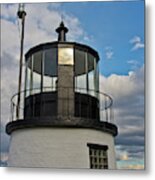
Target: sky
<point>116,30</point>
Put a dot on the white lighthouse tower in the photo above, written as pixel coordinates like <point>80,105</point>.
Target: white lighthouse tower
<point>62,120</point>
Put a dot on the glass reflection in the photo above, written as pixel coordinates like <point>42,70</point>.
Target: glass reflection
<point>50,62</point>
<point>86,73</point>
<point>28,76</point>
<point>37,70</point>
<point>80,71</point>
<point>50,70</point>
<point>65,56</point>
<point>80,62</point>
<point>41,72</point>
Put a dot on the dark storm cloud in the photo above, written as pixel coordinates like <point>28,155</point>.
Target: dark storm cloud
<point>132,141</point>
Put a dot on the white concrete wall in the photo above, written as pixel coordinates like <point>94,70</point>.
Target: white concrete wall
<point>57,147</point>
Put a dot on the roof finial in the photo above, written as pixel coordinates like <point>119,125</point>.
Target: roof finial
<point>62,17</point>
<point>62,30</point>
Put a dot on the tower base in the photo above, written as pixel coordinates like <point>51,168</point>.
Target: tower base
<point>57,147</point>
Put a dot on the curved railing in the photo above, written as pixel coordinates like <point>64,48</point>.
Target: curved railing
<point>105,102</point>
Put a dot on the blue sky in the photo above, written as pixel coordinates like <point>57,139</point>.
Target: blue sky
<point>116,31</point>
<point>112,24</point>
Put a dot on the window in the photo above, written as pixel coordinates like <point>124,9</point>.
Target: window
<point>50,62</point>
<point>80,71</point>
<point>50,69</point>
<point>98,156</point>
<point>80,62</point>
<point>28,78</point>
<point>37,71</point>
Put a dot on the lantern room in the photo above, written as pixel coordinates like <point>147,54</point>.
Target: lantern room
<point>68,66</point>
<point>61,88</point>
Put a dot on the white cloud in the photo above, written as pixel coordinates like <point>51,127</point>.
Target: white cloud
<point>9,11</point>
<point>42,18</point>
<point>124,85</point>
<point>109,53</point>
<point>128,95</point>
<point>137,43</point>
<point>138,46</point>
<point>9,41</point>
<point>134,64</point>
<point>122,155</point>
<point>135,39</point>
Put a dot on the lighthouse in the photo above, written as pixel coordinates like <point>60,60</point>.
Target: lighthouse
<point>62,119</point>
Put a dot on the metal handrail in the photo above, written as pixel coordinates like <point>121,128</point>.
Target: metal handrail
<point>105,101</point>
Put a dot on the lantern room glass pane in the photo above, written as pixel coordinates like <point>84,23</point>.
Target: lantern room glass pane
<point>37,58</point>
<point>50,62</point>
<point>36,83</point>
<point>28,76</point>
<point>91,80</point>
<point>80,65</point>
<point>50,83</point>
<point>50,69</point>
<point>97,77</point>
<point>47,83</point>
<point>37,71</point>
<point>90,62</point>
<point>91,74</point>
<point>80,71</point>
<point>80,83</point>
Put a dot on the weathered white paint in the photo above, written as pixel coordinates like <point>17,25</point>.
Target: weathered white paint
<point>57,147</point>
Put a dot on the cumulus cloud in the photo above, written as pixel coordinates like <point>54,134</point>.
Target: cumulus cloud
<point>137,43</point>
<point>122,155</point>
<point>45,22</point>
<point>128,95</point>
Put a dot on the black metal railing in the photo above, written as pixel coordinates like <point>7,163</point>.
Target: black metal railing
<point>87,104</point>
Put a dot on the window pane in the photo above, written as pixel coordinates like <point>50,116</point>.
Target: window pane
<point>36,83</point>
<point>90,62</point>
<point>47,83</point>
<point>50,84</point>
<point>81,84</point>
<point>50,62</point>
<point>96,156</point>
<point>80,71</point>
<point>37,70</point>
<point>28,74</point>
<point>65,56</point>
<point>80,65</point>
<point>37,58</point>
<point>50,69</point>
<point>97,77</point>
<point>91,82</point>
